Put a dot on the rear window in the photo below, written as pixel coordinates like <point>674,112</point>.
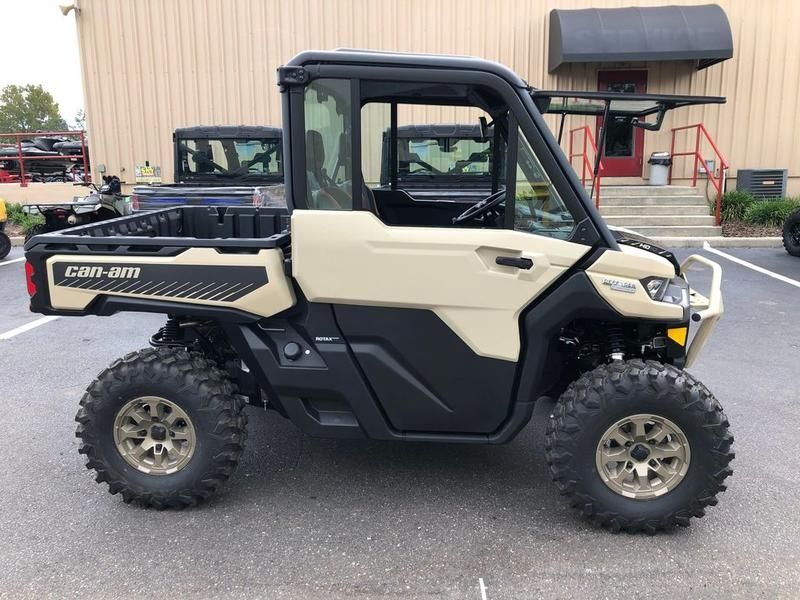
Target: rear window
<point>231,158</point>
<point>443,156</point>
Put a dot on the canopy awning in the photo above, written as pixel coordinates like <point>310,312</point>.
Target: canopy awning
<point>698,33</point>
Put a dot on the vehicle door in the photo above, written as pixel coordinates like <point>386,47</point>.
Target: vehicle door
<point>432,310</point>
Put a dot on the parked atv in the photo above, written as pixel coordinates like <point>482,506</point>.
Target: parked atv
<point>791,233</point>
<point>105,202</point>
<point>5,241</point>
<point>379,316</point>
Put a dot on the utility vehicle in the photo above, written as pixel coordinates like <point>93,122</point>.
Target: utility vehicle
<point>439,160</point>
<point>5,241</point>
<point>104,202</point>
<point>359,312</point>
<point>791,233</point>
<point>217,166</point>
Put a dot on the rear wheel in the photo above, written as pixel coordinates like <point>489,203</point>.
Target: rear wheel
<point>162,427</point>
<point>639,446</point>
<point>791,233</point>
<point>35,230</point>
<point>5,245</point>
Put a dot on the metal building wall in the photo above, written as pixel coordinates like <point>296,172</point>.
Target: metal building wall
<point>152,65</point>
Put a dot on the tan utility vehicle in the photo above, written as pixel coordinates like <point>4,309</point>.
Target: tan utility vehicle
<point>360,311</point>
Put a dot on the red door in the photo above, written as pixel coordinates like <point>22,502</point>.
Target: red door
<point>624,145</point>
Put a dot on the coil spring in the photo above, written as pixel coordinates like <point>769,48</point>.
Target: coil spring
<point>168,335</point>
<point>616,342</point>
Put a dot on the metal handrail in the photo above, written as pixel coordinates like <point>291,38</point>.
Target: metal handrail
<point>586,163</point>
<point>81,135</point>
<point>717,181</point>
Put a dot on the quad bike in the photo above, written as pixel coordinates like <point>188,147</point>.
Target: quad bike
<point>5,241</point>
<point>361,312</point>
<point>791,233</point>
<point>105,202</point>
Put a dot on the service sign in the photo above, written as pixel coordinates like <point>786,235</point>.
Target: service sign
<point>147,174</point>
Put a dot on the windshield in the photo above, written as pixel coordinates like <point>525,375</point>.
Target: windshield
<point>421,157</point>
<point>538,208</point>
<point>230,158</point>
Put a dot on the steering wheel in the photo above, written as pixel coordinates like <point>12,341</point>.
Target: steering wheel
<point>480,208</point>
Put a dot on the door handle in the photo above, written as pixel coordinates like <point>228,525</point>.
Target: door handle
<point>517,262</point>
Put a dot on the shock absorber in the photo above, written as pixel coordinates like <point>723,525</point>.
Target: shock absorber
<point>616,342</point>
<point>169,334</point>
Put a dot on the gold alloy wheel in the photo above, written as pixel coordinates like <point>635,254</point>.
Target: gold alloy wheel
<point>643,456</point>
<point>154,435</point>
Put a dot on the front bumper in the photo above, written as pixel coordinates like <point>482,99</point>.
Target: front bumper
<point>704,310</point>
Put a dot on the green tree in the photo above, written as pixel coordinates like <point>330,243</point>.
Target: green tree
<point>29,108</point>
<point>79,122</point>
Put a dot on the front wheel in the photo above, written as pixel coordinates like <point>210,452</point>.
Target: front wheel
<point>162,427</point>
<point>639,446</point>
<point>791,233</point>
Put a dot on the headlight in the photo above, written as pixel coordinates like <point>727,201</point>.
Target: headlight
<point>672,291</point>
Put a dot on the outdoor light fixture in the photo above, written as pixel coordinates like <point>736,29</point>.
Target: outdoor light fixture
<point>67,8</point>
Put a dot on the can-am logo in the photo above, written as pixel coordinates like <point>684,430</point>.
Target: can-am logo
<point>97,272</point>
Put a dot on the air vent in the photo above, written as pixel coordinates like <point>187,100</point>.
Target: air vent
<point>762,183</point>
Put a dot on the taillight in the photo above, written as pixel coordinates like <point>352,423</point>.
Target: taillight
<point>135,202</point>
<point>29,279</point>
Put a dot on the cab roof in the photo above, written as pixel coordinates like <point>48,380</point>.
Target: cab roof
<point>229,132</point>
<point>372,58</point>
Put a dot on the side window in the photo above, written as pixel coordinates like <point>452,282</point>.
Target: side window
<point>440,152</point>
<point>329,159</point>
<point>538,208</point>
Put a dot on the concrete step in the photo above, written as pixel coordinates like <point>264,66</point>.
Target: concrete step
<point>648,190</point>
<point>658,220</point>
<point>652,200</point>
<point>704,231</point>
<point>719,242</point>
<point>654,209</point>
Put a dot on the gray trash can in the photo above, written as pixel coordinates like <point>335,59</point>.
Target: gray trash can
<point>660,163</point>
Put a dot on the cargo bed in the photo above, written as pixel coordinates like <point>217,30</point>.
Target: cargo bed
<point>81,270</point>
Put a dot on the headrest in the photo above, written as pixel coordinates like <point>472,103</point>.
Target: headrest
<point>315,151</point>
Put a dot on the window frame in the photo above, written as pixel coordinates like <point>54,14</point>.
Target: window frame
<point>520,106</point>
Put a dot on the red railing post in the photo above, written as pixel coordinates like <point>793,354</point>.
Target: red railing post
<point>586,164</point>
<point>718,181</point>
<point>696,156</point>
<point>22,181</point>
<point>571,132</point>
<point>583,178</point>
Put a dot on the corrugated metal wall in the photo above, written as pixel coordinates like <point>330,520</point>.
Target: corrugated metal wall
<point>152,65</point>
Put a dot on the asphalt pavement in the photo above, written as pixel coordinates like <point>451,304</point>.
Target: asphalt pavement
<point>321,519</point>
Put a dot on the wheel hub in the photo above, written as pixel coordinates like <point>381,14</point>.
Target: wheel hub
<point>643,456</point>
<point>158,433</point>
<point>639,452</point>
<point>154,435</point>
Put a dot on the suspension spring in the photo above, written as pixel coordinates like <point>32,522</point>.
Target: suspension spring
<point>616,342</point>
<point>168,335</point>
